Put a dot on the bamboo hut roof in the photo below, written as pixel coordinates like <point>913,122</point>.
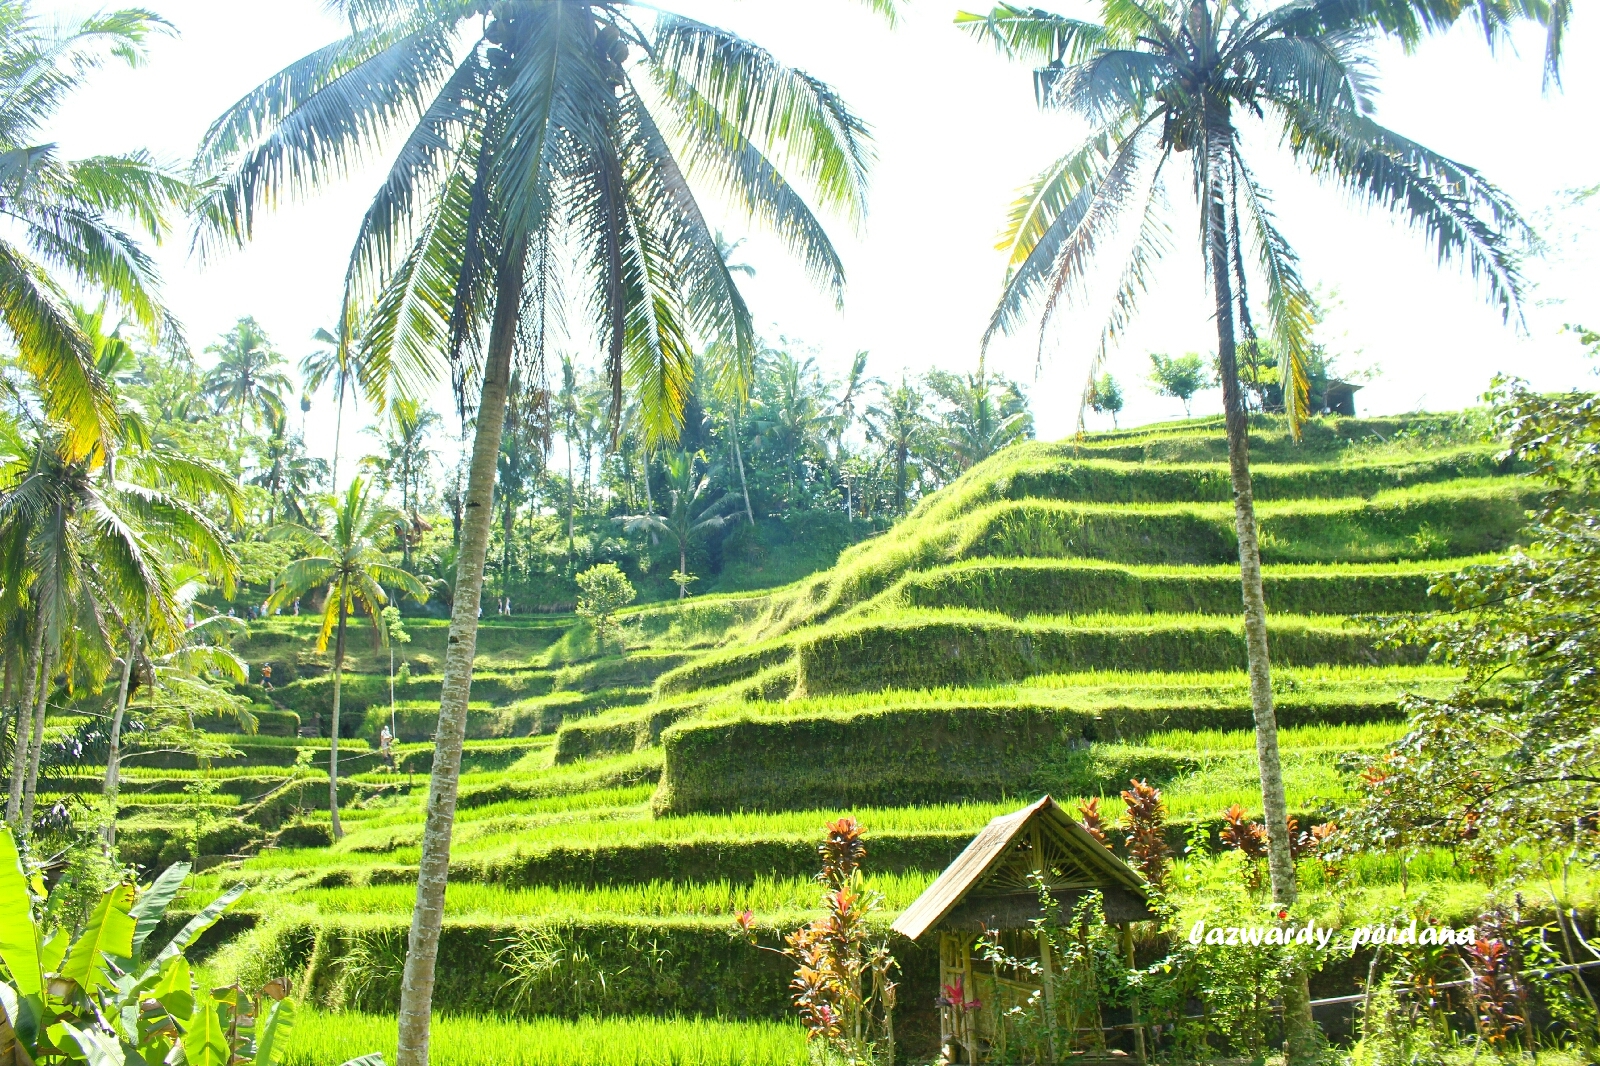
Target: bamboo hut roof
<point>991,874</point>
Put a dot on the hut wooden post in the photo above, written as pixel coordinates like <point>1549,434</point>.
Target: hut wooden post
<point>1045,965</point>
<point>1138,1023</point>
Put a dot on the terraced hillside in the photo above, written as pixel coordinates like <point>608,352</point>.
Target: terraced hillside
<point>1062,619</point>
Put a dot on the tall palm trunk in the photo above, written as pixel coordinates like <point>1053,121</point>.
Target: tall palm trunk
<point>1298,1026</point>
<point>683,566</point>
<point>338,428</point>
<point>738,455</point>
<point>571,505</point>
<point>30,787</point>
<point>422,948</point>
<point>19,751</point>
<point>114,757</point>
<point>333,735</point>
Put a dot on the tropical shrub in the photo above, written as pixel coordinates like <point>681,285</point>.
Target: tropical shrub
<point>98,995</point>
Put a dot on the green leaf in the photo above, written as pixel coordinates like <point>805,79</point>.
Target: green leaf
<point>197,925</point>
<point>272,1041</point>
<point>19,1017</point>
<point>153,902</point>
<point>205,1036</point>
<point>175,990</point>
<point>54,950</point>
<point>109,932</point>
<point>19,939</point>
<point>100,1048</point>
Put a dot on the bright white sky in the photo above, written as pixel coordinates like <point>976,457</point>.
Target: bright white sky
<point>956,133</point>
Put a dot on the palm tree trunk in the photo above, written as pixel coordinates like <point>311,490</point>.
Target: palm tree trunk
<point>19,751</point>
<point>333,734</point>
<point>30,787</point>
<point>114,758</point>
<point>683,567</point>
<point>422,948</point>
<point>1298,1026</point>
<point>338,428</point>
<point>644,470</point>
<point>738,455</point>
<point>571,504</point>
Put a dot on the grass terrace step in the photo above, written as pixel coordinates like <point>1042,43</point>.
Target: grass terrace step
<point>908,755</point>
<point>1022,587</point>
<point>1452,519</point>
<point>933,649</point>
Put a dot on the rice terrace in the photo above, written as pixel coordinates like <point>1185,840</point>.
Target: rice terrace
<point>537,613</point>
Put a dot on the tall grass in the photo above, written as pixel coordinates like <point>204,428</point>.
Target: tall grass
<point>322,1039</point>
<point>652,899</point>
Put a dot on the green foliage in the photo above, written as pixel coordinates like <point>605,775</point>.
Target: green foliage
<point>467,1040</point>
<point>1105,396</point>
<point>1504,764</point>
<point>1179,377</point>
<point>603,590</point>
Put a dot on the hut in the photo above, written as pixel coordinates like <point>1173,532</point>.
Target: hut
<point>992,888</point>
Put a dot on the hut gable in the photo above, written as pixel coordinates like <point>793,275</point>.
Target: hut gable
<point>988,885</point>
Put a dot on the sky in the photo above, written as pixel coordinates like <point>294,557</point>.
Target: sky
<point>956,132</point>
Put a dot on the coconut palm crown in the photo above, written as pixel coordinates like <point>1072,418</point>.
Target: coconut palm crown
<point>1182,79</point>
<point>564,125</point>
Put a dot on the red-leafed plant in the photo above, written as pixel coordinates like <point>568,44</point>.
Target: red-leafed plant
<point>1494,990</point>
<point>1146,824</point>
<point>843,986</point>
<point>1090,817</point>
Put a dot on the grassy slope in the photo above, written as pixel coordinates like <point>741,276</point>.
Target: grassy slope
<point>1058,619</point>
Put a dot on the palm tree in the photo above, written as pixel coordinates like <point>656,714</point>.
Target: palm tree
<point>1156,82</point>
<point>348,563</point>
<point>522,456</point>
<point>287,473</point>
<point>686,485</point>
<point>567,412</point>
<point>340,361</point>
<point>406,457</point>
<point>190,656</point>
<point>531,136</point>
<point>246,377</point>
<point>983,416</point>
<point>791,421</point>
<point>83,543</point>
<point>73,221</point>
<point>900,426</point>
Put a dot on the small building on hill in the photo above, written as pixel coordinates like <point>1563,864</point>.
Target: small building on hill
<point>993,888</point>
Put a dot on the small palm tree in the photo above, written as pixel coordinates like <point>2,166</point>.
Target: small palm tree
<point>406,459</point>
<point>246,377</point>
<point>339,360</point>
<point>687,483</point>
<point>984,415</point>
<point>901,427</point>
<point>791,420</point>
<point>287,473</point>
<point>349,565</point>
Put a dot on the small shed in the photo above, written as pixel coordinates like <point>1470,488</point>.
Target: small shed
<point>990,887</point>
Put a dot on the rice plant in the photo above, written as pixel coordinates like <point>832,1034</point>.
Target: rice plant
<point>465,1040</point>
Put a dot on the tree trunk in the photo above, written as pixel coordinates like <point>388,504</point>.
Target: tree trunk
<point>644,469</point>
<point>114,758</point>
<point>338,428</point>
<point>30,787</point>
<point>571,507</point>
<point>333,734</point>
<point>1298,1026</point>
<point>738,454</point>
<point>683,567</point>
<point>19,751</point>
<point>422,949</point>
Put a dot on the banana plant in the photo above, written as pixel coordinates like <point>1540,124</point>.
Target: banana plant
<point>104,998</point>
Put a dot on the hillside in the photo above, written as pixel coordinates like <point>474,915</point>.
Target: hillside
<point>1062,619</point>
